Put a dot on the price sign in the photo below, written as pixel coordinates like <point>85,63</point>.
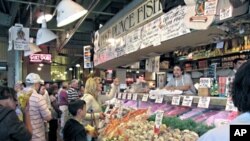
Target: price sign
<point>176,100</point>
<point>124,95</point>
<point>135,97</point>
<point>159,99</point>
<point>204,102</point>
<point>230,105</point>
<point>119,113</point>
<point>145,98</point>
<point>118,103</point>
<point>226,13</point>
<point>129,96</point>
<point>119,95</point>
<point>158,118</point>
<point>187,101</point>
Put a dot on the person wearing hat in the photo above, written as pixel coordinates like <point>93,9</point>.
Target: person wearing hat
<point>38,108</point>
<point>11,127</point>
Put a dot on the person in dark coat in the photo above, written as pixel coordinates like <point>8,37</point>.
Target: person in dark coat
<point>11,128</point>
<point>74,129</point>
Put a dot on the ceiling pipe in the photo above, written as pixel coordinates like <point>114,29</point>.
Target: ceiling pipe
<point>77,25</point>
<point>54,6</point>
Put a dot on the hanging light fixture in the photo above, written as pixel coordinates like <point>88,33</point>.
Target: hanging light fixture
<point>68,12</point>
<point>44,35</point>
<point>44,16</point>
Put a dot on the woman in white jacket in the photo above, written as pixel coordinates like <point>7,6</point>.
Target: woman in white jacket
<point>93,98</point>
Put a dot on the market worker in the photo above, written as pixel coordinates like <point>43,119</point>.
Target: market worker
<point>237,63</point>
<point>181,81</point>
<point>241,99</point>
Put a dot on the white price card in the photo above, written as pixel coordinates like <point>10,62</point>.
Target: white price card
<point>204,102</point>
<point>226,13</point>
<point>187,101</point>
<point>176,100</point>
<point>124,95</point>
<point>158,118</point>
<point>129,96</point>
<point>159,99</point>
<point>135,96</point>
<point>230,105</point>
<point>145,97</point>
<point>119,96</point>
<point>118,103</point>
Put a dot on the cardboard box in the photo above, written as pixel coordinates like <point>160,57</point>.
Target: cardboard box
<point>203,91</point>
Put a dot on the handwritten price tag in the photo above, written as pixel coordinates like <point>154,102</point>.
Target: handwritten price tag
<point>159,99</point>
<point>226,13</point>
<point>124,95</point>
<point>204,102</point>
<point>135,97</point>
<point>158,118</point>
<point>187,101</point>
<point>119,95</point>
<point>176,100</point>
<point>230,105</point>
<point>129,96</point>
<point>145,98</point>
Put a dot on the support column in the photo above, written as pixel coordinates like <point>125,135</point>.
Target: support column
<point>14,62</point>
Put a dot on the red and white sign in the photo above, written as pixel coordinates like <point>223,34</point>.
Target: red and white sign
<point>40,58</point>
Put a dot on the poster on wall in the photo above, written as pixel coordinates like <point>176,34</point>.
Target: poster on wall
<point>87,57</point>
<point>172,24</point>
<point>153,64</point>
<point>19,37</point>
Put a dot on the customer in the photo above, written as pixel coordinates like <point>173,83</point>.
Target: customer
<point>63,103</point>
<point>74,129</point>
<point>38,110</point>
<point>181,81</point>
<point>72,92</point>
<point>94,100</point>
<point>56,113</point>
<point>11,127</point>
<point>241,99</point>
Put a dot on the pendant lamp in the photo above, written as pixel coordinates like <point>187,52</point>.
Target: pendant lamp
<point>44,35</point>
<point>69,11</point>
<point>42,16</point>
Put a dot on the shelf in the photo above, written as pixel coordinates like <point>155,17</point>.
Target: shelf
<point>206,69</point>
<point>214,101</point>
<point>214,57</point>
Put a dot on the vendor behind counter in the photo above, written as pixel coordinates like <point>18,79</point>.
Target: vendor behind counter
<point>181,81</point>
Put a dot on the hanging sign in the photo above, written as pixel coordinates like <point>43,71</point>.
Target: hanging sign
<point>226,13</point>
<point>176,100</point>
<point>204,102</point>
<point>187,101</point>
<point>40,58</point>
<point>19,37</point>
<point>210,7</point>
<point>87,57</point>
<point>172,24</point>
